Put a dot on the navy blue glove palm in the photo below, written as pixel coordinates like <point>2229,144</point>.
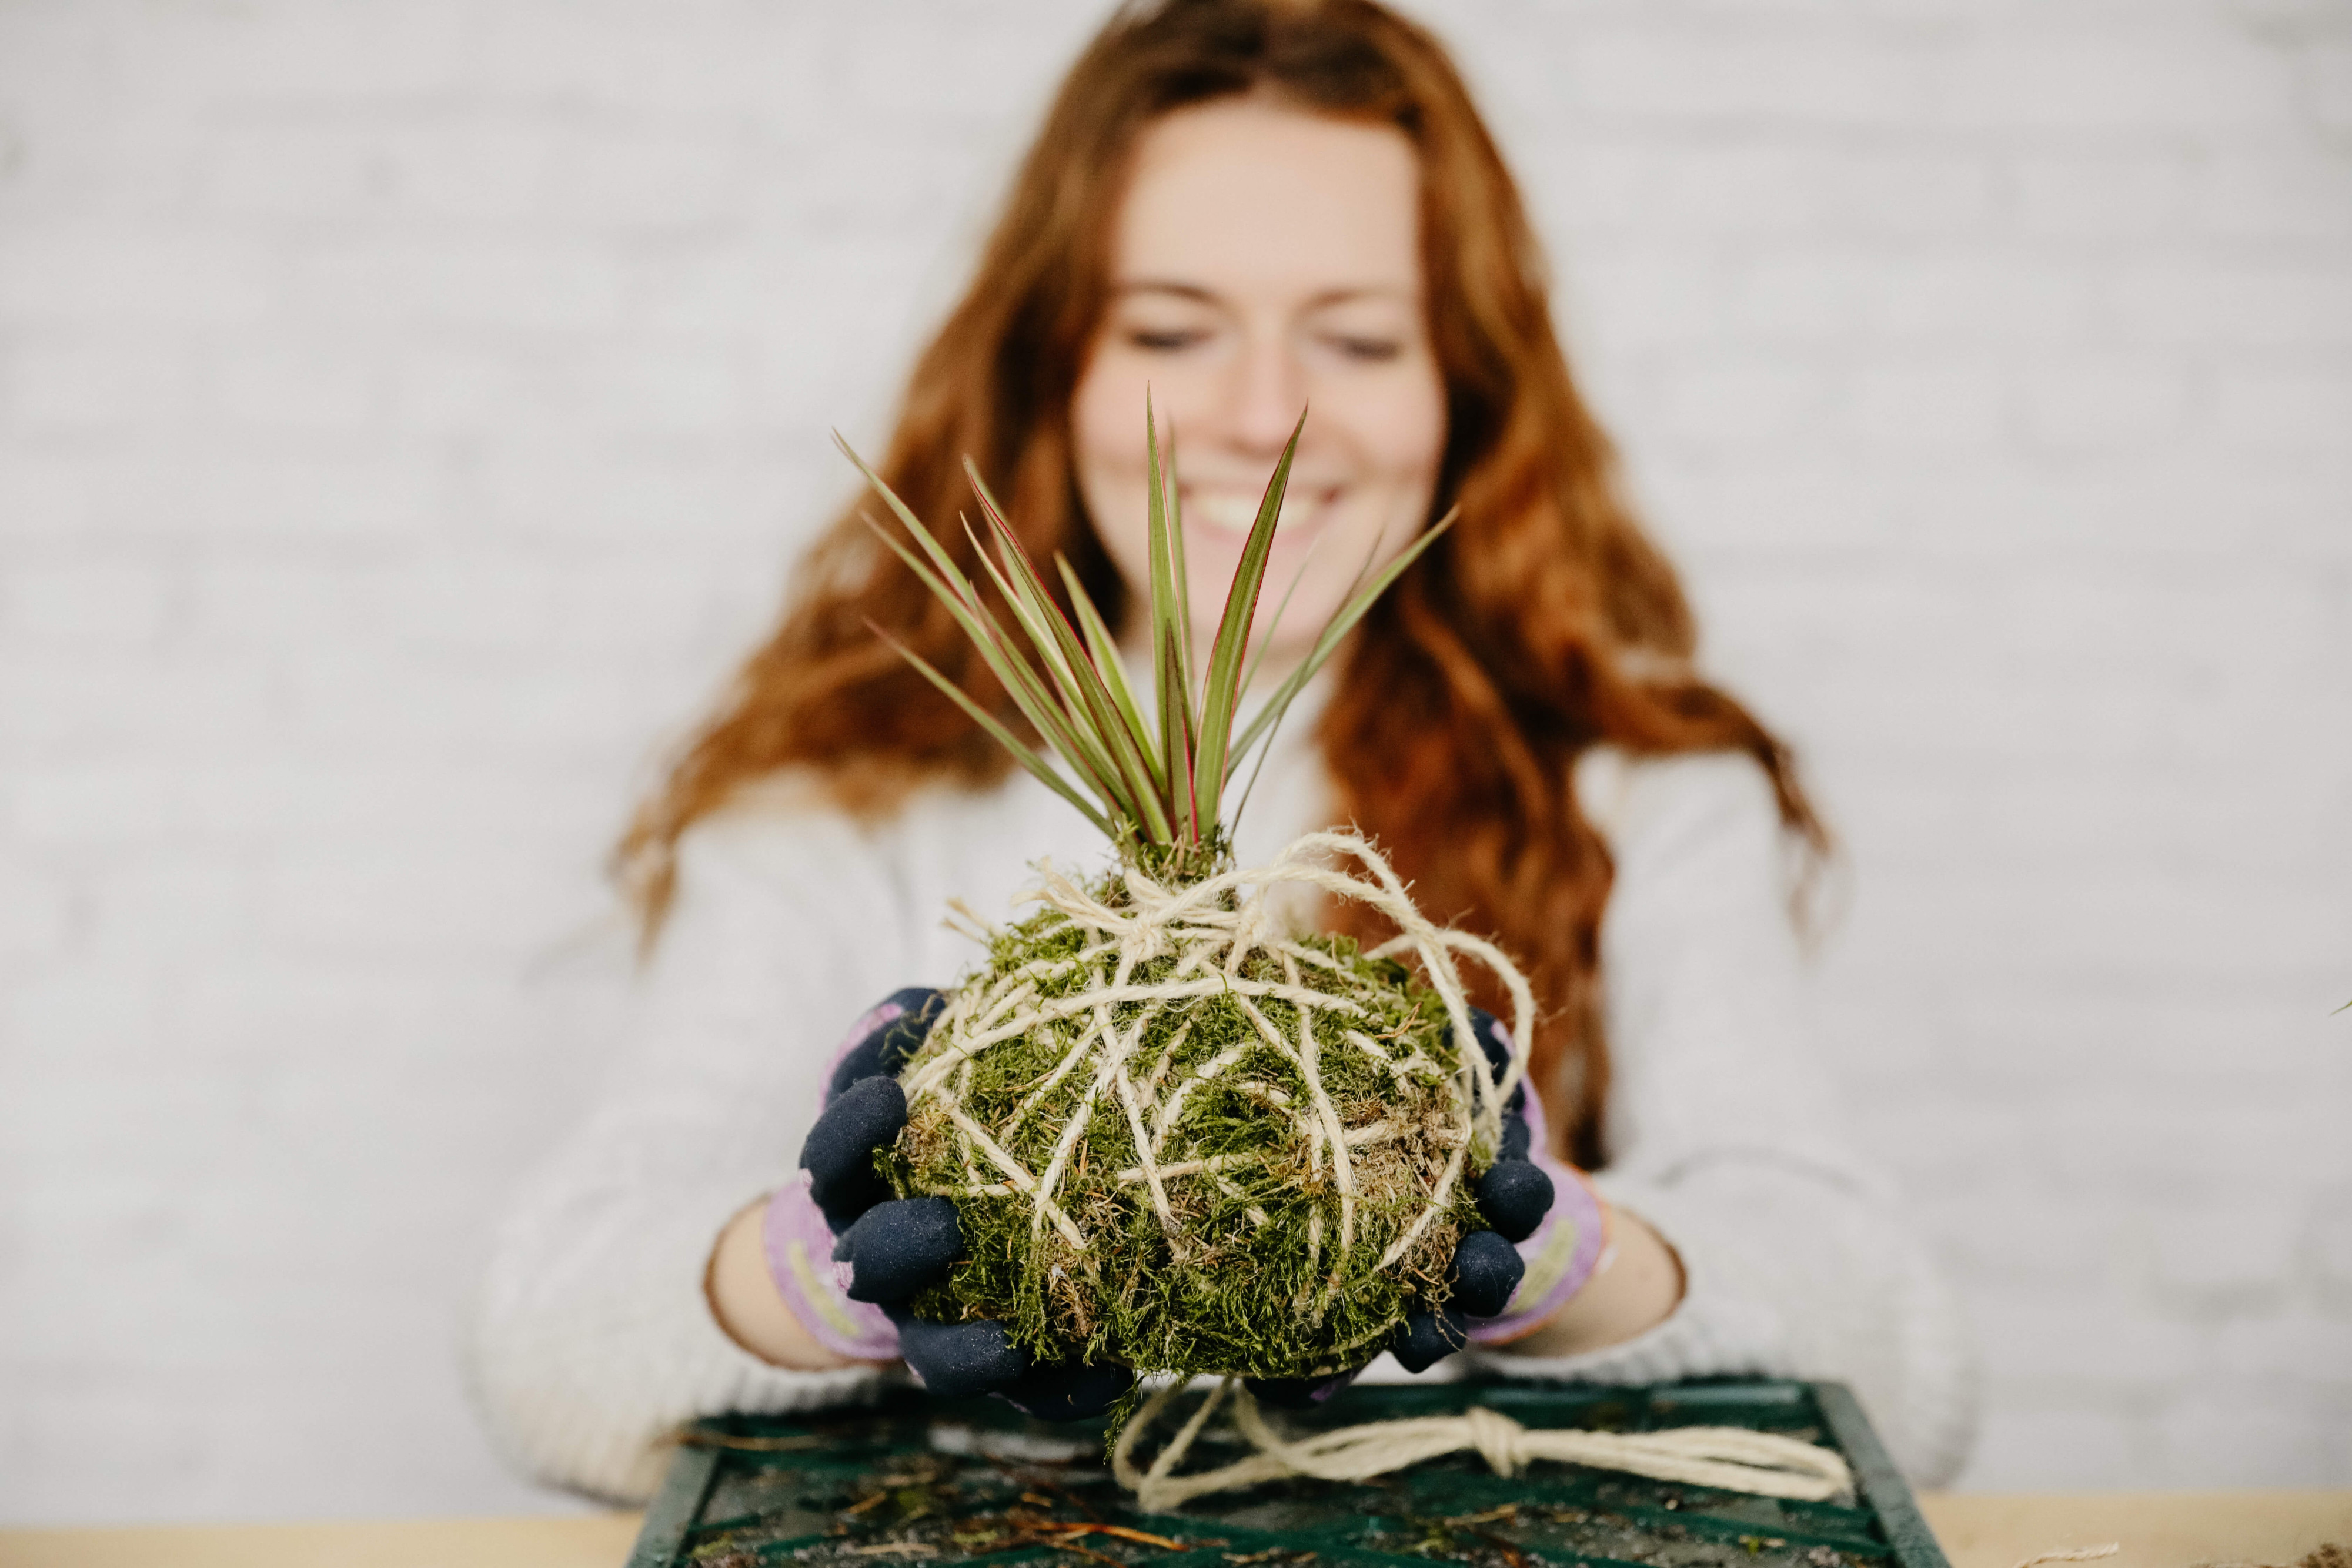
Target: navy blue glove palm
<point>894,1248</point>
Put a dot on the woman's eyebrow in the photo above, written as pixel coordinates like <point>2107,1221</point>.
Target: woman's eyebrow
<point>1348,296</point>
<point>1343,296</point>
<point>1156,286</point>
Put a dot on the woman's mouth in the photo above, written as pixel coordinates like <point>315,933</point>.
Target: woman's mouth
<point>1234,511</point>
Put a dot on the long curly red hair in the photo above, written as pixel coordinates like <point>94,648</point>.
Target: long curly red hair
<point>1544,623</point>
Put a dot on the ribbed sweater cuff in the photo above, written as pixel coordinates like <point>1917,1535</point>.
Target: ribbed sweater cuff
<point>724,1376</point>
<point>594,1384</point>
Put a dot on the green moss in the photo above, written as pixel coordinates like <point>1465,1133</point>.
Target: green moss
<point>1250,1279</point>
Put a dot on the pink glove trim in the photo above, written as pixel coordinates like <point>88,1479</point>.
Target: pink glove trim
<point>1564,1252</point>
<point>869,1020</point>
<point>799,1245</point>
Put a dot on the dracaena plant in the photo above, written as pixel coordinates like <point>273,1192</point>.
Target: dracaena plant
<point>1153,786</point>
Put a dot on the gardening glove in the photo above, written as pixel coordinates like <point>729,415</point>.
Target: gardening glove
<point>862,1108</point>
<point>886,1250</point>
<point>1549,1230</point>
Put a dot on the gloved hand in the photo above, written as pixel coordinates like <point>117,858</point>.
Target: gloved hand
<point>1510,1280</point>
<point>888,1250</point>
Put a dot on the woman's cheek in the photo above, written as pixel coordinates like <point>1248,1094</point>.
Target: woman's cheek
<point>1098,433</point>
<point>1415,407</point>
<point>1108,412</point>
<point>1411,443</point>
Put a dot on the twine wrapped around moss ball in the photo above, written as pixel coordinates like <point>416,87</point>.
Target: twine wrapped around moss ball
<point>1184,1138</point>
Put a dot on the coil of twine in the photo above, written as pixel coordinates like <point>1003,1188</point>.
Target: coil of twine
<point>1730,1458</point>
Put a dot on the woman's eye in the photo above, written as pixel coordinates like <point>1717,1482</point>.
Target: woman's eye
<point>1163,341</point>
<point>1371,350</point>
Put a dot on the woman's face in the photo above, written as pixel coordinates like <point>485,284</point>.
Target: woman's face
<point>1267,262</point>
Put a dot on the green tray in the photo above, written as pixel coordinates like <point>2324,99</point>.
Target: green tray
<point>940,1484</point>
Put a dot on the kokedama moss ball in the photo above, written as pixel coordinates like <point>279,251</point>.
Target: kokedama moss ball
<point>1176,1156</point>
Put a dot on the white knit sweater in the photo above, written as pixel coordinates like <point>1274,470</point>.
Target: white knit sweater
<point>592,1336</point>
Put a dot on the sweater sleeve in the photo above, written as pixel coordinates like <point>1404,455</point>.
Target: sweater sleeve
<point>590,1336</point>
<point>1797,1260</point>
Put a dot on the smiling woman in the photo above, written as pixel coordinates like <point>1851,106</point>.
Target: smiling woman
<point>1268,261</point>
<point>1249,207</point>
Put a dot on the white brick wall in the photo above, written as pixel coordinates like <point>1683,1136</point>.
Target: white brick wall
<point>408,410</point>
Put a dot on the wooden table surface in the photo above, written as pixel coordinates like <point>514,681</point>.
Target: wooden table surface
<point>2156,1529</point>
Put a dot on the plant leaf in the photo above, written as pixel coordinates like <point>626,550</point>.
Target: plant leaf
<point>947,582</point>
<point>1171,622</point>
<point>1063,687</point>
<point>1335,633</point>
<point>1249,675</point>
<point>1186,742</point>
<point>1036,764</point>
<point>1093,712</point>
<point>1177,565</point>
<point>1221,693</point>
<point>1021,683</point>
<point>1105,649</point>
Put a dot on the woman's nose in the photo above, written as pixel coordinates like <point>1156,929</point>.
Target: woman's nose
<point>1266,393</point>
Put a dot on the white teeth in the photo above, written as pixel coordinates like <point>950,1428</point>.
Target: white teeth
<point>1235,512</point>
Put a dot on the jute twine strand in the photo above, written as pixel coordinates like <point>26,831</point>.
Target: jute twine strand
<point>2086,1555</point>
<point>1729,1458</point>
<point>1211,945</point>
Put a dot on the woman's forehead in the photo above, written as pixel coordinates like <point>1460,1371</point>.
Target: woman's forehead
<point>1245,199</point>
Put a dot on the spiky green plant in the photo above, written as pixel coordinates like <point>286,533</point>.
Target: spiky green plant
<point>1155,790</point>
<point>1146,1173</point>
